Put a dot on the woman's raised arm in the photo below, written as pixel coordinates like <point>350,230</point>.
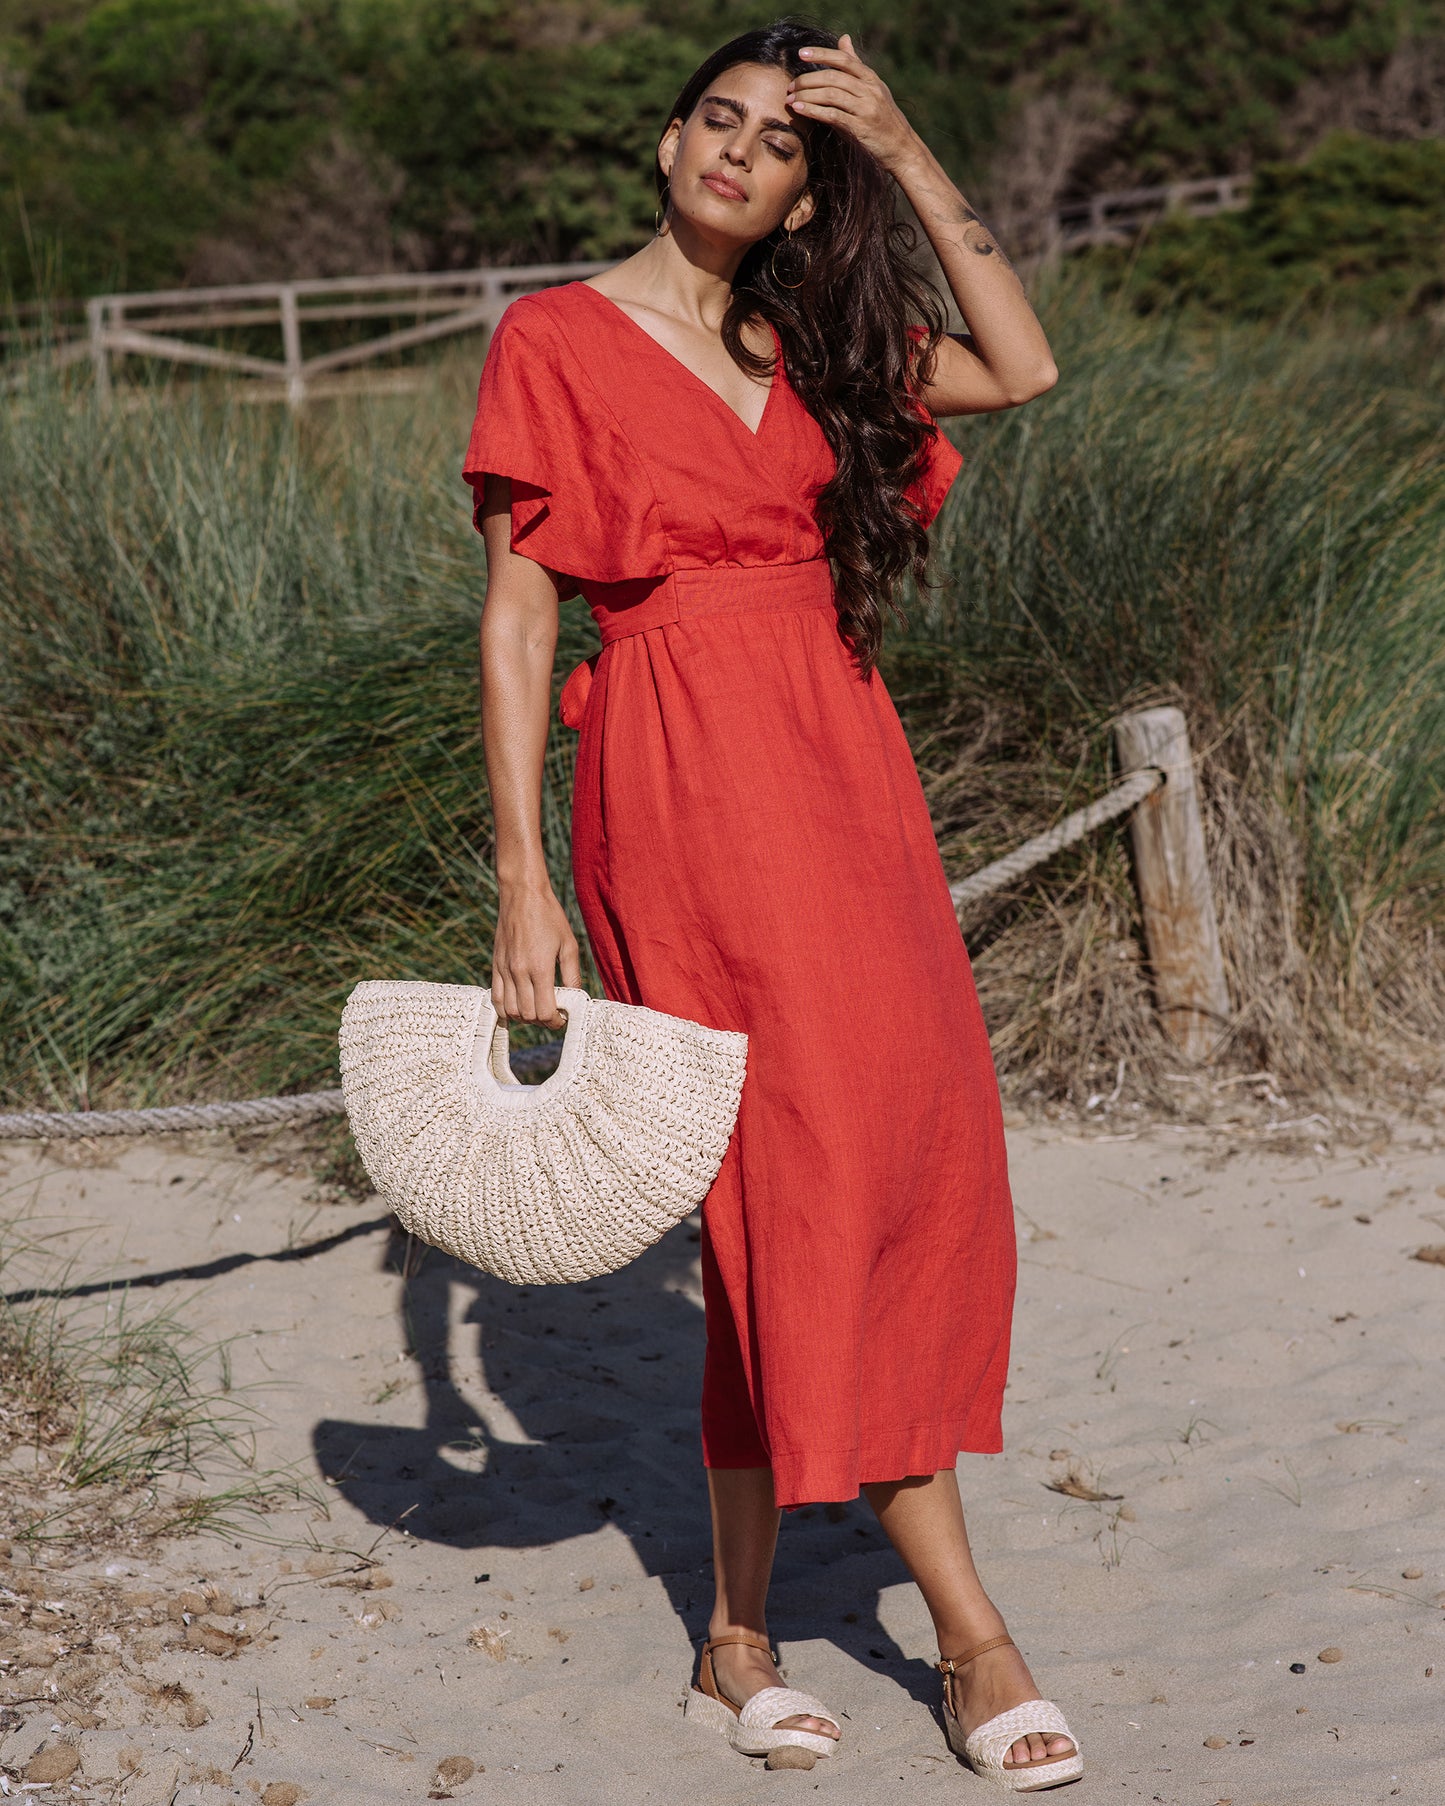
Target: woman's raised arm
<point>1003,359</point>
<point>518,643</point>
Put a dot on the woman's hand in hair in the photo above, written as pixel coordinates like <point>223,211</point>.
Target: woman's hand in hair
<point>842,91</point>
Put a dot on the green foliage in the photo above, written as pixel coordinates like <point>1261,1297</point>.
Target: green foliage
<point>1359,225</point>
<point>146,124</point>
<point>133,132</point>
<point>1203,84</point>
<point>534,144</point>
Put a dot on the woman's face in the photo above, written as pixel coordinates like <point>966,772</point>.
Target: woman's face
<point>738,168</point>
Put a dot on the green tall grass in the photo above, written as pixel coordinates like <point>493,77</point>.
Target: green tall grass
<point>238,706</point>
<point>117,1422</point>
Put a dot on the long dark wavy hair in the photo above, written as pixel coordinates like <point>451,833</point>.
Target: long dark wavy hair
<point>846,344</point>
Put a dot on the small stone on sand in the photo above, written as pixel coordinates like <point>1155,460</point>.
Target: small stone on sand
<point>281,1793</point>
<point>1434,1253</point>
<point>1332,1654</point>
<point>453,1770</point>
<point>1216,1743</point>
<point>586,1584</point>
<point>318,1702</point>
<point>1412,1573</point>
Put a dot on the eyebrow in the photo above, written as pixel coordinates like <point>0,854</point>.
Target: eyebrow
<point>738,107</point>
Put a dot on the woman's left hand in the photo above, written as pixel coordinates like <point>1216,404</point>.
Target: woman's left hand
<point>843,91</point>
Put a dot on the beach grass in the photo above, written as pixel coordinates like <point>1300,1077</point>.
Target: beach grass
<point>118,1423</point>
<point>242,768</point>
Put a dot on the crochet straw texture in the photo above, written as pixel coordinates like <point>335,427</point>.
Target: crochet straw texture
<point>544,1183</point>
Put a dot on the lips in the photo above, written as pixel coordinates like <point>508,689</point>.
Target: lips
<point>728,190</point>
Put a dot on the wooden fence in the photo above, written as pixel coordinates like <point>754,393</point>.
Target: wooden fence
<point>436,307</point>
<point>1116,218</point>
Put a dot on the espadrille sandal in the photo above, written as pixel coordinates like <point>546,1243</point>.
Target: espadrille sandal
<point>753,1728</point>
<point>984,1750</point>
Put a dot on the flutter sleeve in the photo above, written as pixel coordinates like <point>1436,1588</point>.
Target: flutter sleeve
<point>944,461</point>
<point>577,507</point>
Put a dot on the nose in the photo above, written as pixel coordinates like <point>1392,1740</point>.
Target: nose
<point>737,153</point>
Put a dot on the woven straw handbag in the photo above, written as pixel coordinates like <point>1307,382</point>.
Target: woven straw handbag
<point>544,1183</point>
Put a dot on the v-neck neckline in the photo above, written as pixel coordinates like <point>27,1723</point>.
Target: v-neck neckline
<point>753,433</point>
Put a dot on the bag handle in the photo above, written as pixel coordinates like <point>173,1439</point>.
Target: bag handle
<point>491,1063</point>
<point>500,1054</point>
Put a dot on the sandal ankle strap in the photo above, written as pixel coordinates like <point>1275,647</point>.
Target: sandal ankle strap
<point>749,1639</point>
<point>951,1664</point>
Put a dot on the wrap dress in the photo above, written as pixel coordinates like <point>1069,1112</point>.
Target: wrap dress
<point>752,849</point>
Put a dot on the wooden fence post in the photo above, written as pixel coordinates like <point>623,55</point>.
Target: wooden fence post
<point>291,348</point>
<point>1180,928</point>
<point>99,350</point>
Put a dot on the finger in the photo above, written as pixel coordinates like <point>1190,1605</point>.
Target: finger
<point>828,115</point>
<point>834,59</point>
<point>571,964</point>
<point>544,1003</point>
<point>827,81</point>
<point>830,94</point>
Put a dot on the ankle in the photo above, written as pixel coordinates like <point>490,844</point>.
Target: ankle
<point>724,1627</point>
<point>959,1636</point>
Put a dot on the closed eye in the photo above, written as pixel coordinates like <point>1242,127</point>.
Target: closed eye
<point>785,152</point>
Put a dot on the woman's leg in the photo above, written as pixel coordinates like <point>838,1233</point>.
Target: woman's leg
<point>744,1537</point>
<point>923,1517</point>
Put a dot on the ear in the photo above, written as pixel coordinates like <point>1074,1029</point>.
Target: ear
<point>802,211</point>
<point>667,147</point>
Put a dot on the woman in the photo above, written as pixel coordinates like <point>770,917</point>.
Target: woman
<point>726,443</point>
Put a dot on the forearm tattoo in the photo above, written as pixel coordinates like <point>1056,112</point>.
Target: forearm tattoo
<point>977,237</point>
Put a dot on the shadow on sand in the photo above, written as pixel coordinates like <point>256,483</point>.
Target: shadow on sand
<point>550,1411</point>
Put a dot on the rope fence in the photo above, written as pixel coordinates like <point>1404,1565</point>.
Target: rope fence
<point>1176,903</point>
<point>249,1113</point>
<point>1003,872</point>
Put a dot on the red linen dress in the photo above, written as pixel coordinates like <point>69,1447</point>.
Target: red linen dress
<point>752,849</point>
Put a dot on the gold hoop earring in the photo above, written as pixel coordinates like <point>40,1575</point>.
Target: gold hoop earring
<point>793,247</point>
<point>660,209</point>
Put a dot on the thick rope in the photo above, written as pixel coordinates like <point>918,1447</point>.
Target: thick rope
<point>1073,827</point>
<point>40,1125</point>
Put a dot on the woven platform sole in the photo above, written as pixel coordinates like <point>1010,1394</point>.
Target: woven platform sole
<point>787,1748</point>
<point>1037,1777</point>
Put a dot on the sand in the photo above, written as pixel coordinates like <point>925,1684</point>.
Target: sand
<point>507,1553</point>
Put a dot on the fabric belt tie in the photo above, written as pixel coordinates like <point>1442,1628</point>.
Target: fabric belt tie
<point>620,609</point>
<point>623,609</point>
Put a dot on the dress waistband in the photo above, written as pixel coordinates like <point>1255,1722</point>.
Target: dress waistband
<point>620,609</point>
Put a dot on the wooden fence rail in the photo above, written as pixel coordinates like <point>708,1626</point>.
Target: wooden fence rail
<point>438,306</point>
<point>1118,217</point>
